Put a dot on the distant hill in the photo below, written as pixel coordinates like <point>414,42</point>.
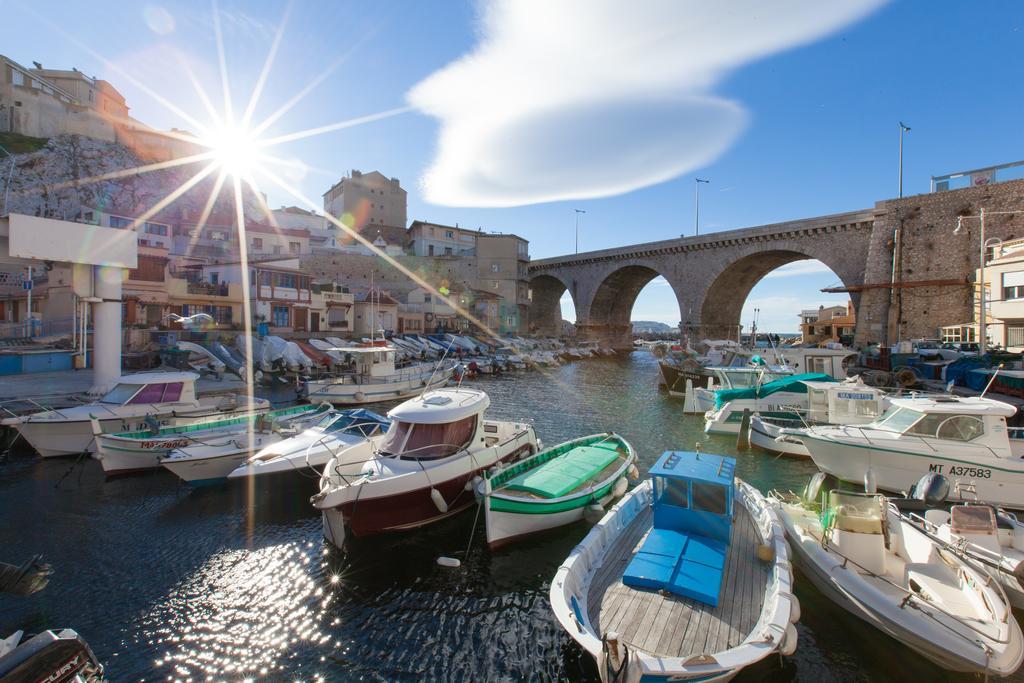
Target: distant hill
<point>651,327</point>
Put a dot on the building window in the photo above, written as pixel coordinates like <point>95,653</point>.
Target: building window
<point>495,268</point>
<point>19,78</point>
<point>447,251</point>
<point>119,222</point>
<point>449,234</point>
<point>1013,285</point>
<point>293,247</point>
<point>1014,335</point>
<point>220,314</point>
<point>156,229</point>
<point>257,243</point>
<point>279,316</point>
<point>214,278</point>
<point>286,280</point>
<point>496,284</point>
<point>277,248</point>
<point>36,84</point>
<point>218,235</point>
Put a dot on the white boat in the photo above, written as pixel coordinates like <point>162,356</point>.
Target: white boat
<point>858,551</point>
<point>308,452</point>
<point>828,403</point>
<point>140,450</point>
<point>784,398</point>
<point>374,377</point>
<point>697,546</point>
<point>963,439</point>
<point>555,487</point>
<point>986,535</point>
<point>422,470</point>
<point>209,459</point>
<point>136,402</point>
<point>733,378</point>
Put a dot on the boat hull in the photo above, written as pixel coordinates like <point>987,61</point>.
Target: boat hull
<point>764,436</point>
<point>997,481</point>
<point>367,515</point>
<point>360,394</point>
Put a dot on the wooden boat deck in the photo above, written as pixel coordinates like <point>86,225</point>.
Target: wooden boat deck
<point>671,625</point>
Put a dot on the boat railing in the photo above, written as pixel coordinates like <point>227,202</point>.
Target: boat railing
<point>5,406</point>
<point>909,595</point>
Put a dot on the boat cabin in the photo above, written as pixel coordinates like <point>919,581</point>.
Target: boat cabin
<point>436,425</point>
<point>356,422</point>
<point>153,387</point>
<point>685,551</point>
<point>973,420</point>
<point>841,404</point>
<point>371,362</point>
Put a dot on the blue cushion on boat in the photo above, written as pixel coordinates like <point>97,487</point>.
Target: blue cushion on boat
<point>649,571</point>
<point>697,581</point>
<point>665,542</point>
<point>706,551</point>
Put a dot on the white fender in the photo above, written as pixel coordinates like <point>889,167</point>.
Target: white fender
<point>471,484</point>
<point>634,472</point>
<point>788,644</point>
<point>794,609</point>
<point>620,487</point>
<point>593,513</point>
<point>870,485</point>
<point>438,499</point>
<point>359,396</point>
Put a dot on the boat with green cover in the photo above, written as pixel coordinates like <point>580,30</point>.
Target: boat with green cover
<point>556,486</point>
<point>142,449</point>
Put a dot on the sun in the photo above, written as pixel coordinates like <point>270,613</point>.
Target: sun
<point>234,150</point>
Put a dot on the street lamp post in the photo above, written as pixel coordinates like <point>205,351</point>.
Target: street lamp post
<point>983,247</point>
<point>578,212</point>
<point>904,128</point>
<point>696,204</point>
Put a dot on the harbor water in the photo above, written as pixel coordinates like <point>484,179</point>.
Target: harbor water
<point>228,583</point>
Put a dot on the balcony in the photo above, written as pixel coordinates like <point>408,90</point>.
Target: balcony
<point>338,298</point>
<point>208,288</point>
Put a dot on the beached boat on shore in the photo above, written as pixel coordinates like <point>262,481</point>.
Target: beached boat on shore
<point>691,542</point>
<point>556,486</point>
<point>142,450</point>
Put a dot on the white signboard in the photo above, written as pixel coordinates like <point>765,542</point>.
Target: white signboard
<point>48,239</point>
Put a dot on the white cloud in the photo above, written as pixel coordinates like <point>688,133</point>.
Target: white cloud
<point>806,267</point>
<point>591,98</point>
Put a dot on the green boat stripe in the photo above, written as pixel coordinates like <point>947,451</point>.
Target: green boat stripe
<point>530,506</point>
<point>958,461</point>
<point>212,424</point>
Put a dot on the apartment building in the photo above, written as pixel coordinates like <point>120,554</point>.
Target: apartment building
<point>828,324</point>
<point>435,239</point>
<point>502,264</point>
<point>362,199</point>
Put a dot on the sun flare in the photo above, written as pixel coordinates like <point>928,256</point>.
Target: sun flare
<point>234,150</point>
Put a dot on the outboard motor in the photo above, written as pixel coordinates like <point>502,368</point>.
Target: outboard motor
<point>932,489</point>
<point>50,656</point>
<point>817,483</point>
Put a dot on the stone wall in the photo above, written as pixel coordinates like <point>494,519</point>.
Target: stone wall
<point>930,252</point>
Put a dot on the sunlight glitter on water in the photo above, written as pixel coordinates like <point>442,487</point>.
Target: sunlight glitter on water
<point>239,613</point>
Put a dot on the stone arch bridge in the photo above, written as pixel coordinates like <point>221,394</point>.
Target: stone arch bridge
<point>711,275</point>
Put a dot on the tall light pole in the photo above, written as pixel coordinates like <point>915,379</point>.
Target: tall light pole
<point>696,204</point>
<point>578,212</point>
<point>904,128</point>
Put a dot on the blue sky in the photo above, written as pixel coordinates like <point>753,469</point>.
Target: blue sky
<point>817,134</point>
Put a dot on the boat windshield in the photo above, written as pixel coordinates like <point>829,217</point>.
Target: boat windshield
<point>121,393</point>
<point>428,441</point>
<point>896,419</point>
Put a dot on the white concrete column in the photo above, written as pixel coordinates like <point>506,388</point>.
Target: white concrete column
<point>106,351</point>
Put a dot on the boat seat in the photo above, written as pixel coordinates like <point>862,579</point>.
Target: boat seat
<point>684,564</point>
<point>566,472</point>
<point>940,585</point>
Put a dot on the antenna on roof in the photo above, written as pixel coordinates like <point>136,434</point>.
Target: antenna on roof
<point>994,375</point>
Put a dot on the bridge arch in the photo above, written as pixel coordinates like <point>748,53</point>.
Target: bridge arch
<point>546,292</point>
<point>725,295</point>
<point>609,316</point>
